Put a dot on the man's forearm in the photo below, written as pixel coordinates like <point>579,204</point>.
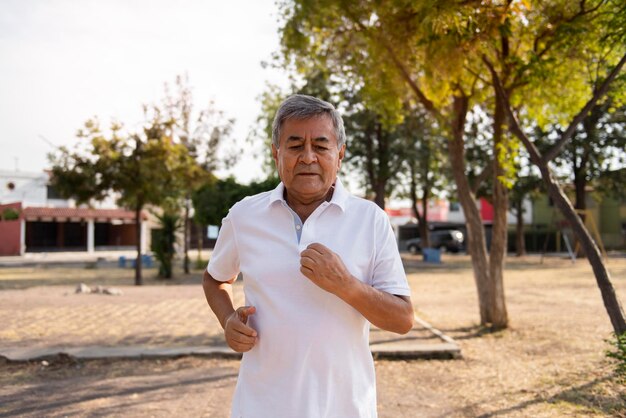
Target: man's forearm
<point>382,309</point>
<point>219,296</point>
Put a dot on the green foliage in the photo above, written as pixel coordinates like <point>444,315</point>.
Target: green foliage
<point>213,201</point>
<point>200,263</point>
<point>425,166</point>
<point>595,154</point>
<point>524,187</point>
<point>375,149</point>
<point>163,241</point>
<point>10,214</point>
<point>618,354</point>
<point>270,100</point>
<point>143,168</point>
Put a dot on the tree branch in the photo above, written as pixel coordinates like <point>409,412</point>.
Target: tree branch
<point>404,72</point>
<point>484,175</point>
<point>535,155</point>
<point>428,104</point>
<point>598,93</point>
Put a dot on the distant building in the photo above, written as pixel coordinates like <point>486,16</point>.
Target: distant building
<point>443,214</point>
<point>34,218</point>
<point>605,218</point>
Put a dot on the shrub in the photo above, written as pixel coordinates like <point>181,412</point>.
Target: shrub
<point>618,354</point>
<point>163,242</point>
<point>10,214</point>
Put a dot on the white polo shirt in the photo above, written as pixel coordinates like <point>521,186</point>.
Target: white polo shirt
<point>312,358</point>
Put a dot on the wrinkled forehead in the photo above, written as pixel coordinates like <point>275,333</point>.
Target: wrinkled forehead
<point>317,128</point>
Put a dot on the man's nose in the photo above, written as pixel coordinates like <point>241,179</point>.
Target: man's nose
<point>308,155</point>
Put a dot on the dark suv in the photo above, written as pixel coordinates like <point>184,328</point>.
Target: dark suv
<point>445,239</point>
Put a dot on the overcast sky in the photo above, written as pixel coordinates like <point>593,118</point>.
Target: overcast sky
<point>64,61</point>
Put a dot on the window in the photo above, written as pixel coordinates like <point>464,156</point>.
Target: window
<point>455,207</point>
<point>51,193</point>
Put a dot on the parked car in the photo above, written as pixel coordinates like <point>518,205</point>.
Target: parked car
<point>446,239</point>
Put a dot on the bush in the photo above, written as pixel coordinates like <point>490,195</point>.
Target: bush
<point>163,241</point>
<point>10,214</point>
<point>618,354</point>
<point>201,263</point>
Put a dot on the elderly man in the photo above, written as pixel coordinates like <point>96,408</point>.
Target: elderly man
<point>319,265</point>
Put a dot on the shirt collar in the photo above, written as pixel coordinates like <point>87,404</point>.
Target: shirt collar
<point>340,195</point>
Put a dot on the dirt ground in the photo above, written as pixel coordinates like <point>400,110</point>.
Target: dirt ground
<point>549,363</point>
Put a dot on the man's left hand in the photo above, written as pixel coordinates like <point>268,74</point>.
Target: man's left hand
<point>325,268</point>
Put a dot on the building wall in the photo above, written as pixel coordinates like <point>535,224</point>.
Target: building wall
<point>10,232</point>
<point>612,223</point>
<point>28,188</point>
<point>606,218</point>
<point>31,189</point>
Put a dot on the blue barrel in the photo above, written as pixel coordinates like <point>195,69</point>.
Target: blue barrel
<point>432,255</point>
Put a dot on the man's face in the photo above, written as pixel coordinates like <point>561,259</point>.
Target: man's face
<point>308,158</point>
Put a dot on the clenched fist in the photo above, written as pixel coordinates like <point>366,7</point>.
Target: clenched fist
<point>239,336</point>
<point>325,268</point>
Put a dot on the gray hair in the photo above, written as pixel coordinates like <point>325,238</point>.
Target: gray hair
<point>299,106</point>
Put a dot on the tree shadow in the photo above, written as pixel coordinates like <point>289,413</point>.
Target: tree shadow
<point>469,332</point>
<point>581,396</point>
<point>52,395</point>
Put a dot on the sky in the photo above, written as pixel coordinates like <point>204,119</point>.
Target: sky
<point>65,61</point>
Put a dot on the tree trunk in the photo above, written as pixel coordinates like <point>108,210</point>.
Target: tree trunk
<point>424,228</point>
<point>609,297</point>
<point>138,221</point>
<point>422,223</point>
<point>186,237</point>
<point>603,279</point>
<point>200,242</point>
<point>475,231</point>
<point>425,198</point>
<point>497,250</point>
<point>379,194</point>
<point>380,185</point>
<point>520,242</point>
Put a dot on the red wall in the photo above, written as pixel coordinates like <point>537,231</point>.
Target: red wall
<point>486,210</point>
<point>10,232</point>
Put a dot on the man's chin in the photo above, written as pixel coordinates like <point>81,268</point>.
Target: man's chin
<point>309,188</point>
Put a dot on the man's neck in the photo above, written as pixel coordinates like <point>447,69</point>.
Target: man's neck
<point>305,207</point>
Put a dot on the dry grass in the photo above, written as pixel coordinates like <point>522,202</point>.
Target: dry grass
<point>89,273</point>
<point>549,363</point>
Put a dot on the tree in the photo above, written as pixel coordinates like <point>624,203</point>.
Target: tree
<point>424,165</point>
<point>375,149</point>
<point>201,134</point>
<point>592,36</point>
<point>525,187</point>
<point>142,168</point>
<point>441,52</point>
<point>213,200</point>
<point>542,160</point>
<point>416,48</point>
<point>597,145</point>
<point>164,240</point>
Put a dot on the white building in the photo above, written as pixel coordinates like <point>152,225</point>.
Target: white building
<point>34,218</point>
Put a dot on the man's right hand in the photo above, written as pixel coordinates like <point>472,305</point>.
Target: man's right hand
<point>239,336</point>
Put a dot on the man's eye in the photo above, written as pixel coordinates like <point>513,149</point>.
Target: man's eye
<point>295,147</point>
<point>321,148</point>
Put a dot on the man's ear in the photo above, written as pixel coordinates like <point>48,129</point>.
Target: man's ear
<point>275,154</point>
<point>342,153</point>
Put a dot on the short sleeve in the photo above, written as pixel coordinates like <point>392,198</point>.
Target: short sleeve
<point>224,263</point>
<point>388,275</point>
